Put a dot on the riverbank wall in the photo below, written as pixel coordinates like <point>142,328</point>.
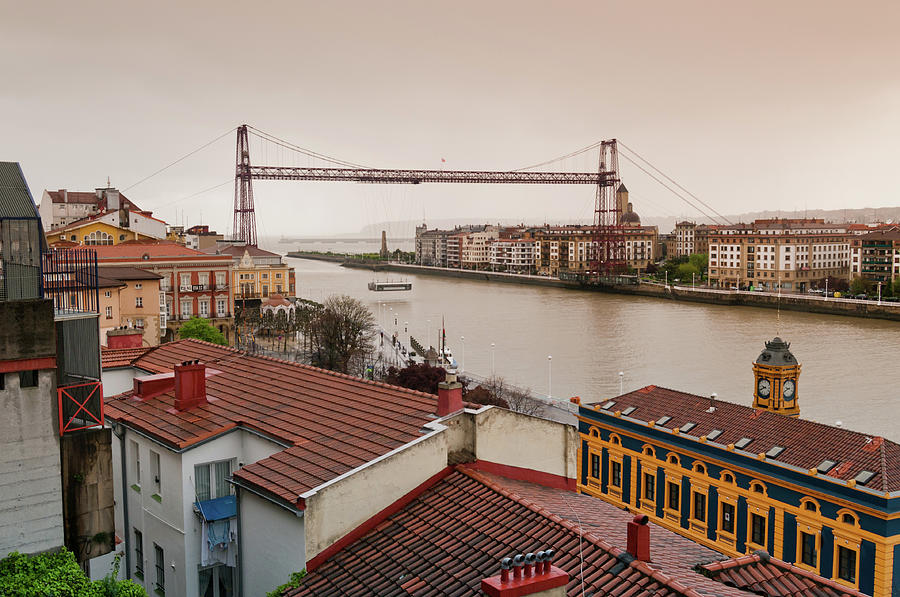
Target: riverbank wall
<point>336,258</point>
<point>739,298</point>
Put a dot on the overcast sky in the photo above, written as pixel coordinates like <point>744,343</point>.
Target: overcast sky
<point>749,105</point>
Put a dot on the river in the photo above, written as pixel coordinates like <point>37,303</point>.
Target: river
<point>849,369</point>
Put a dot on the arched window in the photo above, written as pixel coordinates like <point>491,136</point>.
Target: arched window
<point>809,505</point>
<point>757,487</point>
<point>594,432</point>
<point>727,477</point>
<point>614,440</point>
<point>848,517</point>
<point>98,237</point>
<point>672,458</point>
<point>648,450</point>
<point>699,467</point>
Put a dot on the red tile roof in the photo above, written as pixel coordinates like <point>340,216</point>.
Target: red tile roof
<point>806,443</point>
<point>125,272</point>
<point>120,357</point>
<point>764,575</point>
<point>130,251</point>
<point>453,535</point>
<point>334,422</point>
<point>239,250</point>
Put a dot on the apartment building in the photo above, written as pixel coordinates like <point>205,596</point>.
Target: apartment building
<point>875,256</point>
<point>790,254</point>
<point>684,238</point>
<point>200,238</point>
<point>475,247</point>
<point>256,273</point>
<point>569,249</point>
<point>512,255</point>
<point>130,298</point>
<point>194,283</point>
<point>62,207</point>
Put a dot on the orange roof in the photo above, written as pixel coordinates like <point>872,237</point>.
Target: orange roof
<point>333,422</point>
<point>134,250</point>
<point>120,357</point>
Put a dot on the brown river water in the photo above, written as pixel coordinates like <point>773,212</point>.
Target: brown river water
<point>850,371</point>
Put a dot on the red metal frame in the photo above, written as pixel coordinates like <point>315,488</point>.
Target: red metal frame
<point>64,391</point>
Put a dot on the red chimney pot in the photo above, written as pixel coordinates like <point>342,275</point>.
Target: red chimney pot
<point>639,538</point>
<point>190,385</point>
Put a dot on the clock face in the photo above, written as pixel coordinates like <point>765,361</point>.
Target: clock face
<point>764,387</point>
<point>789,388</point>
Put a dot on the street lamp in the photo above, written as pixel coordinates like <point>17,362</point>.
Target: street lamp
<point>692,280</point>
<point>826,288</point>
<point>879,293</point>
<point>492,359</point>
<point>549,376</point>
<point>462,361</point>
<point>621,382</point>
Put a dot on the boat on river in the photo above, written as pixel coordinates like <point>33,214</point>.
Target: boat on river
<point>389,286</point>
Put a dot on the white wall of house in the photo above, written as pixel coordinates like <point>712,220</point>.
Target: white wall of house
<point>118,380</point>
<point>272,544</point>
<point>31,517</point>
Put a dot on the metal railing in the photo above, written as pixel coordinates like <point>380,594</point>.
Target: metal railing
<point>70,280</point>
<point>80,406</point>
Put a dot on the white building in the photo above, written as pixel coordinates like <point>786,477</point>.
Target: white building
<point>475,247</point>
<point>279,462</point>
<point>513,255</point>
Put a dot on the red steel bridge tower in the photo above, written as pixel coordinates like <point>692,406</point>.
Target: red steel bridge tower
<point>607,257</point>
<point>244,227</point>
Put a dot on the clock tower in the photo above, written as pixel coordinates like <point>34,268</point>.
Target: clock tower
<point>776,372</point>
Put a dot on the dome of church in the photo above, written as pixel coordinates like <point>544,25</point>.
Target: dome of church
<point>777,353</point>
<point>630,217</point>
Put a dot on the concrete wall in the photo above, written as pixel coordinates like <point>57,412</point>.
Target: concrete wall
<point>272,544</point>
<point>116,381</point>
<point>87,483</point>
<point>31,514</point>
<point>27,330</point>
<point>338,508</point>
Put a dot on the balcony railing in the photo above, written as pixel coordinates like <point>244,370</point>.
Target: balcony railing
<point>70,280</point>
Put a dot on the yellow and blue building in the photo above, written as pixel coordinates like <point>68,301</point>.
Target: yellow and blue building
<point>739,478</point>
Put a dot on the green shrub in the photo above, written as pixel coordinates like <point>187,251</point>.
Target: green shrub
<point>58,575</point>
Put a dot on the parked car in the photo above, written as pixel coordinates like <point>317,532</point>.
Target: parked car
<point>861,297</point>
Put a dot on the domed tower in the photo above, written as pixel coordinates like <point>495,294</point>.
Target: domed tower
<point>630,218</point>
<point>776,372</point>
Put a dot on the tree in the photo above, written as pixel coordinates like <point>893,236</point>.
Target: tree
<point>860,285</point>
<point>481,395</point>
<point>422,377</point>
<point>517,399</point>
<point>686,270</point>
<point>57,574</point>
<point>341,334</point>
<point>201,329</point>
<point>699,261</point>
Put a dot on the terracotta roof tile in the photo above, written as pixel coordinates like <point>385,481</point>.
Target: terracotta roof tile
<point>764,575</point>
<point>332,423</point>
<point>120,357</point>
<point>453,535</point>
<point>154,250</point>
<point>806,443</point>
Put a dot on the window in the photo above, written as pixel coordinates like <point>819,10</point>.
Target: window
<point>155,472</point>
<point>808,550</point>
<point>649,486</point>
<point>139,301</point>
<point>186,309</point>
<point>595,466</point>
<point>220,279</point>
<point>846,564</point>
<point>673,494</point>
<point>108,312</point>
<point>160,569</point>
<point>265,290</point>
<point>136,462</point>
<point>264,276</point>
<point>98,237</point>
<point>28,379</point>
<point>139,554</point>
<point>138,285</point>
<point>203,279</point>
<point>278,276</point>
<point>758,529</point>
<point>204,308</point>
<point>211,480</point>
<point>220,307</point>
<point>615,476</point>
<point>107,294</point>
<point>727,524</point>
<point>139,323</point>
<point>699,506</point>
<point>185,281</point>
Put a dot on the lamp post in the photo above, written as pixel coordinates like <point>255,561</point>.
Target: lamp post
<point>549,376</point>
<point>667,278</point>
<point>492,359</point>
<point>462,361</point>
<point>692,280</point>
<point>621,382</point>
<point>879,293</point>
<point>826,288</point>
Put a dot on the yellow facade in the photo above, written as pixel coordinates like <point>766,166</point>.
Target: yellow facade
<point>96,233</point>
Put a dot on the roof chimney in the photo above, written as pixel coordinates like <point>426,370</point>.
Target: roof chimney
<point>532,574</point>
<point>190,385</point>
<point>639,538</point>
<point>449,395</point>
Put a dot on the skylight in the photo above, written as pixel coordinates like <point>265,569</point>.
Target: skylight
<point>663,420</point>
<point>825,466</point>
<point>863,477</point>
<point>608,405</point>
<point>687,427</point>
<point>742,443</point>
<point>629,410</point>
<point>713,434</point>
<point>775,451</point>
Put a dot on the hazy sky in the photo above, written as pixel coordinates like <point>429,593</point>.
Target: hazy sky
<point>750,105</point>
